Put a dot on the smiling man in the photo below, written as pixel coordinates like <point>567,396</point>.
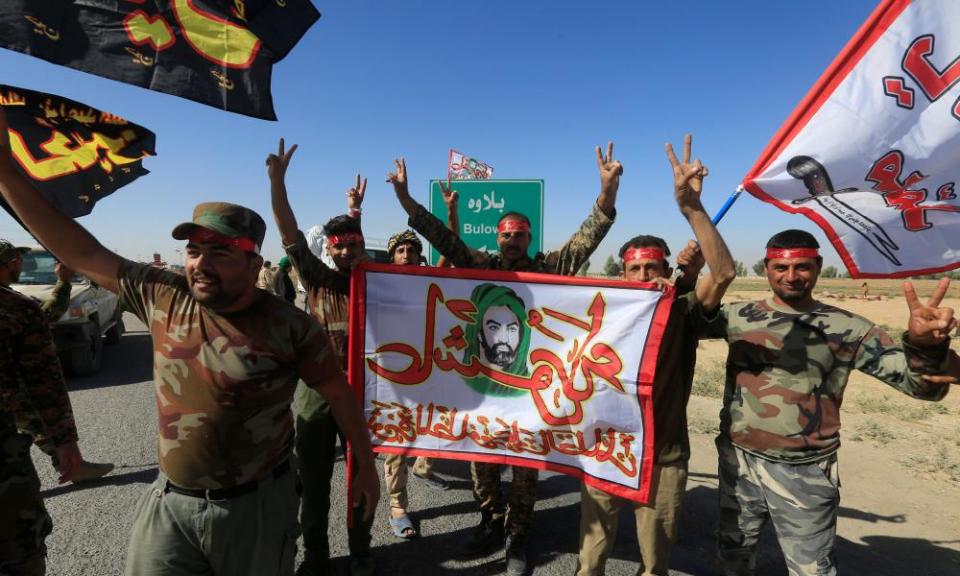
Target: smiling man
<point>328,300</point>
<point>227,357</point>
<point>789,361</point>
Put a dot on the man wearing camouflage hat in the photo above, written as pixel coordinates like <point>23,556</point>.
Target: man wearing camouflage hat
<point>328,300</point>
<point>227,358</point>
<point>405,249</point>
<point>497,528</point>
<point>29,422</point>
<point>29,371</point>
<point>789,361</point>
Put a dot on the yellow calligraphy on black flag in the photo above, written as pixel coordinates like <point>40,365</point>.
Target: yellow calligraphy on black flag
<point>218,52</point>
<point>74,154</point>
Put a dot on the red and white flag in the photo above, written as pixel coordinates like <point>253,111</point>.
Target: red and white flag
<point>460,167</point>
<point>872,153</point>
<point>511,368</point>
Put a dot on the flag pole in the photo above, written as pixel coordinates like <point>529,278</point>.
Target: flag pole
<point>726,205</point>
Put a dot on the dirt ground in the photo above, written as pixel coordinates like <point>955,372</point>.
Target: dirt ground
<point>900,457</point>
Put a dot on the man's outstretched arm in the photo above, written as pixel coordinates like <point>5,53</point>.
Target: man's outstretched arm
<point>429,226</point>
<point>578,249</point>
<point>687,187</point>
<point>282,212</point>
<point>69,241</point>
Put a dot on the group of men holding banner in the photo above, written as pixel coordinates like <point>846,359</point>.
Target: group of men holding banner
<point>227,357</point>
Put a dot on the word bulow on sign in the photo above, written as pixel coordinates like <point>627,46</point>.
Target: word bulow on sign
<point>870,154</point>
<point>483,202</point>
<point>523,369</point>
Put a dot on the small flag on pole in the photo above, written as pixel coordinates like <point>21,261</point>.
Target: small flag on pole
<point>460,167</point>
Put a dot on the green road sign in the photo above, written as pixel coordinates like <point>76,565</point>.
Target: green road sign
<point>482,203</point>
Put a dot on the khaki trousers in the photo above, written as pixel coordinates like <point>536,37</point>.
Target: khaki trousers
<point>395,477</point>
<point>657,522</point>
<point>254,534</point>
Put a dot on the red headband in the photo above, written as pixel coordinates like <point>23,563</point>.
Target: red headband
<point>206,236</point>
<point>773,253</point>
<point>513,226</point>
<point>643,254</point>
<point>344,238</point>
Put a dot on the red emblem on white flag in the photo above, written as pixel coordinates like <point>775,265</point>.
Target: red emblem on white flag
<point>871,153</point>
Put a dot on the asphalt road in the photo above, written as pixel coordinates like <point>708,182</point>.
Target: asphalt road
<point>116,417</point>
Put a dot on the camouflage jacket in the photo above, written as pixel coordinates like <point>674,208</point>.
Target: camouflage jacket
<point>28,363</point>
<point>565,261</point>
<point>224,382</point>
<point>787,371</point>
<point>328,299</point>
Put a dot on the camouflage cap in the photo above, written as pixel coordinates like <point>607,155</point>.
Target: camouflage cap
<point>227,219</point>
<point>8,251</point>
<point>405,237</point>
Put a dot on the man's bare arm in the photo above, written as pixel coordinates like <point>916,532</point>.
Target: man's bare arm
<point>688,185</point>
<point>282,212</point>
<point>70,242</point>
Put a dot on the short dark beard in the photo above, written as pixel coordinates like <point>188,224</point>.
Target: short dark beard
<point>500,354</point>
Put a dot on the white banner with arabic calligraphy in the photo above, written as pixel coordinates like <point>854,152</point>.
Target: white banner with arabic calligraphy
<point>525,369</point>
<point>871,153</point>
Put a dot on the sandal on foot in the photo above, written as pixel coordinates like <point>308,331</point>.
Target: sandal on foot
<point>402,527</point>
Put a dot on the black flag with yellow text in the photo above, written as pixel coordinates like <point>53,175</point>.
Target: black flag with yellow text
<point>74,154</point>
<point>218,52</point>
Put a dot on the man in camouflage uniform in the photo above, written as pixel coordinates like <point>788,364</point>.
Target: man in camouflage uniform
<point>328,300</point>
<point>29,370</point>
<point>53,308</point>
<point>513,242</point>
<point>405,249</point>
<point>789,361</point>
<point>227,359</point>
<point>644,260</point>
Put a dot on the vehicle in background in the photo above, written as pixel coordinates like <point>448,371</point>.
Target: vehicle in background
<point>92,319</point>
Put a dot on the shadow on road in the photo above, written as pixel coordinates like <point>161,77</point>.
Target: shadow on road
<point>877,555</point>
<point>129,362</point>
<point>142,476</point>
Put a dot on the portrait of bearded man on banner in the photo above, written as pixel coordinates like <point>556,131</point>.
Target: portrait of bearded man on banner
<point>499,338</point>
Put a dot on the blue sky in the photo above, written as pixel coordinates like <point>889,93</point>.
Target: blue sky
<point>529,87</point>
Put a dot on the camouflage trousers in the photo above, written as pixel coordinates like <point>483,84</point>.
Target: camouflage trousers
<point>800,499</point>
<point>24,522</point>
<point>658,522</point>
<point>395,477</point>
<point>523,495</point>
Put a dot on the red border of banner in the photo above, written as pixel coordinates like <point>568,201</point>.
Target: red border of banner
<point>876,25</point>
<point>648,362</point>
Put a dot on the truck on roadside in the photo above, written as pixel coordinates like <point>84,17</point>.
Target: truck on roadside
<point>94,317</point>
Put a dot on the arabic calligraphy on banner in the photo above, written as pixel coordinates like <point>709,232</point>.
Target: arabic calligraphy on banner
<point>74,154</point>
<point>870,154</point>
<point>523,369</point>
<point>218,52</point>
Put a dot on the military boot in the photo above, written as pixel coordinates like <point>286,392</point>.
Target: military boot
<point>487,537</point>
<point>516,555</point>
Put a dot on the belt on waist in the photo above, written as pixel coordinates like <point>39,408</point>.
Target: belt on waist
<point>232,491</point>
